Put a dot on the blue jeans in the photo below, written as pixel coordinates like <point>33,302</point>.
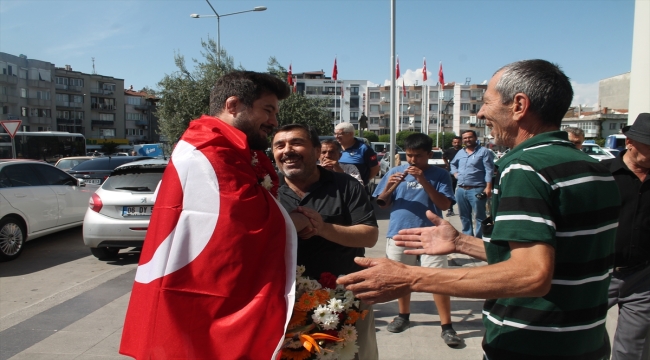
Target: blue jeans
<point>469,205</point>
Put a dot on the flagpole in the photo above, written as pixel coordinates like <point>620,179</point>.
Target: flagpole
<point>391,158</point>
<point>439,119</point>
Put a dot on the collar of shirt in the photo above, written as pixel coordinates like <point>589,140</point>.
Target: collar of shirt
<point>325,178</point>
<point>548,138</point>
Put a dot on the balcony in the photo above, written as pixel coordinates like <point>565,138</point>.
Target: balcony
<point>415,101</point>
<point>69,104</point>
<point>142,122</point>
<point>39,102</point>
<point>100,106</point>
<point>62,121</point>
<point>9,99</point>
<point>96,122</point>
<point>473,111</point>
<point>71,88</point>
<point>141,107</point>
<point>39,120</point>
<point>9,79</point>
<point>39,84</point>
<point>101,91</point>
<point>477,98</point>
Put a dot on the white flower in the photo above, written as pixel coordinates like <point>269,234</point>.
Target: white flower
<point>335,305</point>
<point>327,355</point>
<point>254,159</point>
<point>330,322</point>
<point>300,269</point>
<point>321,314</point>
<point>347,350</point>
<point>348,333</point>
<point>267,183</point>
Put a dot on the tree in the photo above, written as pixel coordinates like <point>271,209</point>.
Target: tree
<point>384,138</point>
<point>371,136</point>
<point>185,95</point>
<point>299,109</point>
<point>109,147</point>
<point>444,141</point>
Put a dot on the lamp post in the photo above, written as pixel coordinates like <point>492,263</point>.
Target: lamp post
<point>196,16</point>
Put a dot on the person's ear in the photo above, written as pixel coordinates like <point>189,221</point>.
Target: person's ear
<point>232,105</point>
<point>520,106</point>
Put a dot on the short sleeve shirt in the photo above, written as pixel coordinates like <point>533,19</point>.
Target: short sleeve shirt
<point>410,202</point>
<point>361,156</point>
<point>341,200</point>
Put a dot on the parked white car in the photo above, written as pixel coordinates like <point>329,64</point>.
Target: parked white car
<point>436,159</point>
<point>596,151</point>
<point>118,213</point>
<point>37,199</point>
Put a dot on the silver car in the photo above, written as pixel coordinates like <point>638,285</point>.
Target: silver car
<point>118,213</point>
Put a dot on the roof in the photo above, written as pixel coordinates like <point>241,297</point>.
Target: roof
<point>140,94</point>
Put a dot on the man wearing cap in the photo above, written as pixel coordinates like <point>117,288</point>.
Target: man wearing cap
<point>630,284</point>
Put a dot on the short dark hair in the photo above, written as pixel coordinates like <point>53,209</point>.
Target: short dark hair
<point>418,141</point>
<point>311,132</point>
<point>247,86</point>
<point>457,138</point>
<point>547,87</point>
<point>332,142</point>
<point>468,131</point>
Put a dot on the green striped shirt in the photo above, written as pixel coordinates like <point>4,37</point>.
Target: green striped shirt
<point>545,190</point>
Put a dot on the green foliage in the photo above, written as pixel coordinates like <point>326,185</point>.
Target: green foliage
<point>401,136</point>
<point>109,147</point>
<point>299,109</point>
<point>600,142</point>
<point>384,138</point>
<point>444,141</point>
<point>371,136</point>
<point>185,95</point>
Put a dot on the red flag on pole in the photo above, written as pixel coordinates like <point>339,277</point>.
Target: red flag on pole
<point>424,70</point>
<point>290,76</point>
<point>403,88</point>
<point>295,87</point>
<point>397,74</point>
<point>335,71</point>
<point>441,76</point>
<point>200,290</point>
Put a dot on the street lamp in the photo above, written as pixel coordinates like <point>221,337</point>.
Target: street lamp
<point>196,16</point>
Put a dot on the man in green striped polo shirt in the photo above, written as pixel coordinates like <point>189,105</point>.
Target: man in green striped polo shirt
<point>550,242</point>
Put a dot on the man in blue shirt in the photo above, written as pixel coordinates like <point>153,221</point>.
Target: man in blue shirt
<point>357,153</point>
<point>410,190</point>
<point>473,167</point>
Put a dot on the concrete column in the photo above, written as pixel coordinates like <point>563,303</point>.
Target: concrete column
<point>640,73</point>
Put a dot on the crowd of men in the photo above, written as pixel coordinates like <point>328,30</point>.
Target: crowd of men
<point>556,261</point>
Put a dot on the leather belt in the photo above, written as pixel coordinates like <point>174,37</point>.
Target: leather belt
<point>638,266</point>
<point>469,187</point>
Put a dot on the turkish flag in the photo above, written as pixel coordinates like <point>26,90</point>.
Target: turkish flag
<point>424,71</point>
<point>441,76</point>
<point>397,74</point>
<point>335,71</point>
<point>217,271</point>
<point>290,76</point>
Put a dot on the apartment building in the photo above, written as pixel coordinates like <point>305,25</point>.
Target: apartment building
<point>418,108</point>
<point>346,108</point>
<point>140,120</point>
<point>49,98</point>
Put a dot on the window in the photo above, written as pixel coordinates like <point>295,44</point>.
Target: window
<point>464,94</point>
<point>43,95</point>
<point>76,82</point>
<point>5,109</point>
<point>23,111</point>
<point>77,98</point>
<point>61,80</point>
<point>54,176</point>
<point>22,73</point>
<point>433,95</point>
<point>464,106</point>
<point>106,132</point>
<point>622,125</point>
<point>612,126</point>
<point>354,90</point>
<point>374,95</point>
<point>464,119</point>
<point>354,115</point>
<point>23,93</point>
<point>44,112</point>
<point>374,108</point>
<point>433,107</point>
<point>62,114</point>
<point>448,94</point>
<point>132,100</point>
<point>374,120</point>
<point>133,116</point>
<point>354,103</point>
<point>107,117</point>
<point>20,175</point>
<point>62,98</point>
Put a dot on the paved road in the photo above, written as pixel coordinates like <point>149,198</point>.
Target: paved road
<point>59,302</point>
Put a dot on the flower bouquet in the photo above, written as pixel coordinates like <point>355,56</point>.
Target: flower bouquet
<point>322,323</point>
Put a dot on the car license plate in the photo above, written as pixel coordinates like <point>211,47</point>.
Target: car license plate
<point>93,181</point>
<point>137,210</point>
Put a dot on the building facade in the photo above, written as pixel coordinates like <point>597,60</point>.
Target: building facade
<point>140,120</point>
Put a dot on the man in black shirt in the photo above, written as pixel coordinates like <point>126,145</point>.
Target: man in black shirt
<point>343,221</point>
<point>630,285</point>
<point>448,156</point>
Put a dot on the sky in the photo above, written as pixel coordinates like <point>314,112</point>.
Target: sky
<point>136,40</point>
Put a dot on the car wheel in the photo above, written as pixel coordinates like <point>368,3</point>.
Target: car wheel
<point>12,238</point>
<point>105,253</point>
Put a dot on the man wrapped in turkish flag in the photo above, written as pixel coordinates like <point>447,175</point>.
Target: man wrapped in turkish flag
<point>217,270</point>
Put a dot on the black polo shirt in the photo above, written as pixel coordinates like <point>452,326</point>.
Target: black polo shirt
<point>339,199</point>
<point>450,153</point>
<point>633,234</point>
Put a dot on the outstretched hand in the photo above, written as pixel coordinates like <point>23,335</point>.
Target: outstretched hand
<point>440,239</point>
<point>383,280</point>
